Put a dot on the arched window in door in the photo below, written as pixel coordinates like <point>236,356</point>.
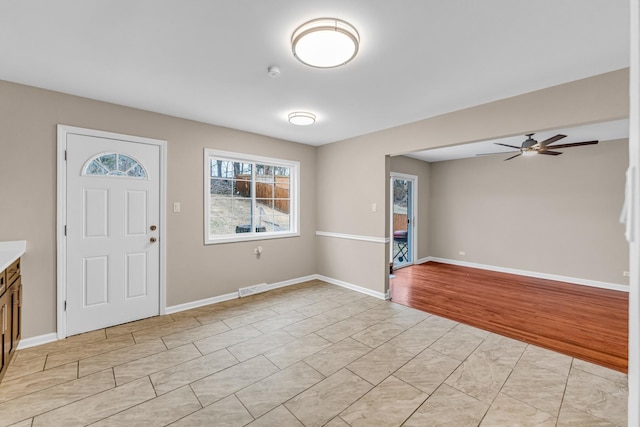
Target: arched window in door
<point>114,164</point>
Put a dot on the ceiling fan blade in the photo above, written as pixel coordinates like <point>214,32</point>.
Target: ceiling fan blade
<point>552,140</point>
<point>549,152</point>
<point>573,144</point>
<point>513,157</point>
<point>507,145</point>
<point>493,154</point>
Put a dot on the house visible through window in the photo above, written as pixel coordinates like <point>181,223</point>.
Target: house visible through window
<point>249,197</point>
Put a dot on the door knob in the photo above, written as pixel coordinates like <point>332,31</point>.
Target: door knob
<point>153,240</point>
<point>153,228</point>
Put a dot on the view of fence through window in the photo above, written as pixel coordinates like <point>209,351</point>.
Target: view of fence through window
<point>249,197</point>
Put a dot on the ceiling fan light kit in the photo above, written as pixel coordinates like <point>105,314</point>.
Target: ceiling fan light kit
<point>531,147</point>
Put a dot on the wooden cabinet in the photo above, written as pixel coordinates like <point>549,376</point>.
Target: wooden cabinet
<point>10,312</point>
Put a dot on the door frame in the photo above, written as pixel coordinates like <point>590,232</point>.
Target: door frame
<point>413,239</point>
<point>61,199</point>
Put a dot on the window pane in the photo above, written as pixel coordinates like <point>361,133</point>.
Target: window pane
<point>137,171</point>
<point>264,190</point>
<point>220,206</point>
<point>109,161</point>
<point>281,206</point>
<point>265,204</point>
<point>125,163</point>
<point>281,223</point>
<point>263,170</point>
<point>229,169</point>
<point>242,188</point>
<point>282,182</point>
<point>220,225</point>
<point>96,168</point>
<point>282,171</point>
<point>228,213</point>
<point>241,213</point>
<point>221,187</point>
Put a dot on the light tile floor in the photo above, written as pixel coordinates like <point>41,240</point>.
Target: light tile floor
<point>312,354</point>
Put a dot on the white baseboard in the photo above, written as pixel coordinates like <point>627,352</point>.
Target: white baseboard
<point>423,260</point>
<point>200,303</point>
<point>558,278</point>
<point>353,287</point>
<point>37,340</point>
<point>233,295</point>
<point>292,282</point>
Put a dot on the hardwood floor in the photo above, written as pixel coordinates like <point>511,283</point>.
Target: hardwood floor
<point>580,321</point>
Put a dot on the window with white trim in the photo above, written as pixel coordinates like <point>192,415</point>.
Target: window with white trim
<point>249,197</point>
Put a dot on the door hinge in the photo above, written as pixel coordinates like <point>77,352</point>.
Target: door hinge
<point>65,306</point>
<point>65,230</point>
<point>65,154</point>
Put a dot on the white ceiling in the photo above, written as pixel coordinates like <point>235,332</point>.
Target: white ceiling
<point>206,60</point>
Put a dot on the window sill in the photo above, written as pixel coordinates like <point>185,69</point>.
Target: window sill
<point>250,237</point>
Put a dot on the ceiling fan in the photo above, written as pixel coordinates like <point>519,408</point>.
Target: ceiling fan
<point>531,147</point>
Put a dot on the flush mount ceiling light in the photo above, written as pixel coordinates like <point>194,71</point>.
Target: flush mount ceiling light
<point>325,42</point>
<point>302,118</point>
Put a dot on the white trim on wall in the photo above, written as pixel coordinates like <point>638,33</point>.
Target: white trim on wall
<point>234,295</point>
<point>37,340</point>
<point>527,273</point>
<point>201,303</point>
<point>371,239</point>
<point>347,285</point>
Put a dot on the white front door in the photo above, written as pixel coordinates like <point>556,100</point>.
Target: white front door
<point>112,231</point>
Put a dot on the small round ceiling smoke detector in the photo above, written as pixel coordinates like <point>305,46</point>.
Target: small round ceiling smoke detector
<point>302,118</point>
<point>273,72</point>
<point>325,43</point>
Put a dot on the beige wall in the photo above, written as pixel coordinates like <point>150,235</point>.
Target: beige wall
<point>555,215</point>
<point>407,165</point>
<point>355,175</point>
<point>28,119</point>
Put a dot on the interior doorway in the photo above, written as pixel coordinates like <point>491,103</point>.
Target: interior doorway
<point>403,219</point>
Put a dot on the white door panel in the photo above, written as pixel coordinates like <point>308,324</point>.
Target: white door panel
<point>112,262</point>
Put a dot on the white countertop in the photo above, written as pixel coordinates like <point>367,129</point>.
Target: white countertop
<point>11,251</point>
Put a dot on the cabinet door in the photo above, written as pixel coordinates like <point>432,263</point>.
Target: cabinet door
<point>6,333</point>
<point>16,313</point>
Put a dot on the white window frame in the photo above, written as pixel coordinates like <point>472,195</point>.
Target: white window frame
<point>294,195</point>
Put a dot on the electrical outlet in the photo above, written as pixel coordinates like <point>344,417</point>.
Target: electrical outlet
<point>462,253</point>
<point>374,207</point>
<point>625,273</point>
<point>177,207</point>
